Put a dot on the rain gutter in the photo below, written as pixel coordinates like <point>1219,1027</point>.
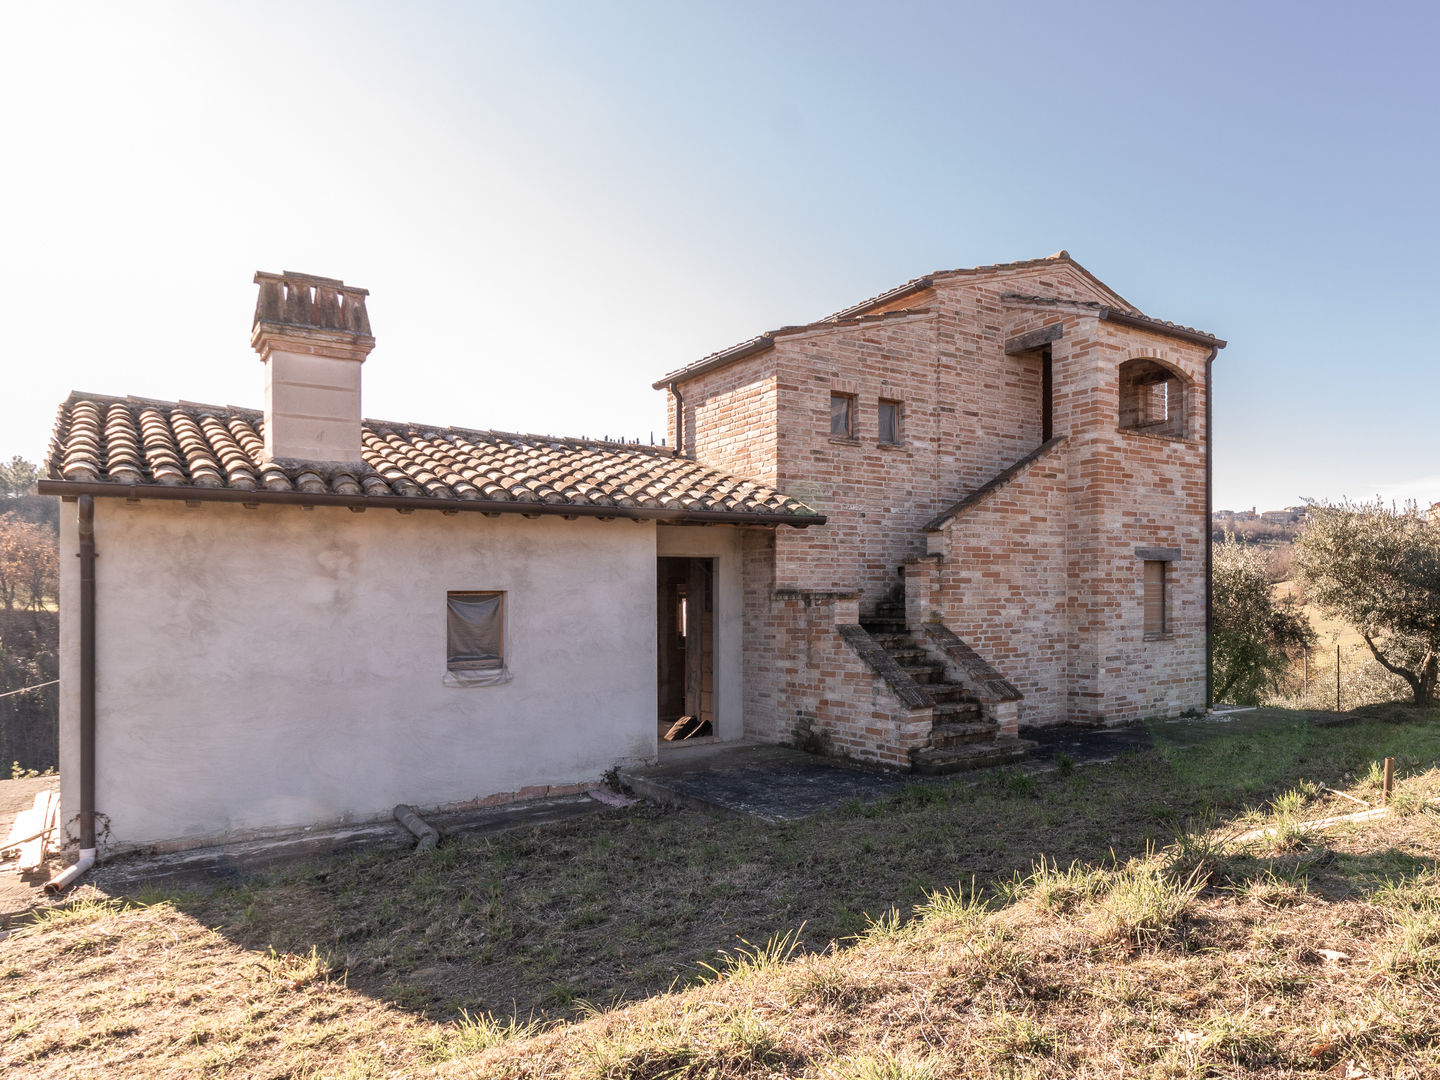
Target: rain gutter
<point>73,488</point>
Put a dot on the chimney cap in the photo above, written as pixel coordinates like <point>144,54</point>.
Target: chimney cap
<point>300,278</point>
<point>293,299</point>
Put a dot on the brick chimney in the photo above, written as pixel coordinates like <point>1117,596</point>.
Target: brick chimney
<point>312,334</point>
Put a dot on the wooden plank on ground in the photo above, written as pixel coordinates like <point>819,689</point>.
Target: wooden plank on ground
<point>27,824</point>
<point>32,853</point>
<point>52,827</point>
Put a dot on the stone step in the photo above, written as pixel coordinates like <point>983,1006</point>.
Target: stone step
<point>955,712</point>
<point>925,674</point>
<point>876,627</point>
<point>888,640</point>
<point>905,657</point>
<point>936,760</point>
<point>947,693</point>
<point>954,733</point>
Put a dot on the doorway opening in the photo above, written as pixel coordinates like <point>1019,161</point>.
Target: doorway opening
<point>685,603</point>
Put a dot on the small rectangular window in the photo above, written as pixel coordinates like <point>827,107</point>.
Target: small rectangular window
<point>889,423</point>
<point>475,638</point>
<point>842,416</point>
<point>1156,615</point>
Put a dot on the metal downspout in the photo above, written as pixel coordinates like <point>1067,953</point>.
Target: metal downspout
<point>679,418</point>
<point>1209,530</point>
<point>86,521</point>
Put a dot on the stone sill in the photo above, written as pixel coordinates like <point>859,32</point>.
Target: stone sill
<point>815,594</point>
<point>893,446</point>
<point>1158,637</point>
<point>1153,437</point>
<point>845,440</point>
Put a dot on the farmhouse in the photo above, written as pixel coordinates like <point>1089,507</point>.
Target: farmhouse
<point>896,534</point>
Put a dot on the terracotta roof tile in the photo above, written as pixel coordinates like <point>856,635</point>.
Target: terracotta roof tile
<point>1129,316</point>
<point>861,312</point>
<point>220,450</point>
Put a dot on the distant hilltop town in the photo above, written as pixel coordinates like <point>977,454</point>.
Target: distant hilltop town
<point>1291,515</point>
<point>1268,527</point>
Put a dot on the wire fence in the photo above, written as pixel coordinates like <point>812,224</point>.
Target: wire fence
<point>27,689</point>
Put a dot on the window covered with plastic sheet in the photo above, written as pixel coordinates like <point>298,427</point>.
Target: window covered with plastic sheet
<point>475,639</point>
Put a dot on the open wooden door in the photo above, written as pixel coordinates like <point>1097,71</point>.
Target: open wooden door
<point>686,652</point>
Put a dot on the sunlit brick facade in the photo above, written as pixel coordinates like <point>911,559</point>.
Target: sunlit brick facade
<point>1039,568</point>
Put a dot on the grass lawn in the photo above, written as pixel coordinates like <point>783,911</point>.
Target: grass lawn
<point>847,945</point>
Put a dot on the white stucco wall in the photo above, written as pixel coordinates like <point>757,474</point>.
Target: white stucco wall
<point>723,545</point>
<point>279,667</point>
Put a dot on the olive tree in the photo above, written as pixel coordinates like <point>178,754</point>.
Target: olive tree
<point>1378,568</point>
<point>1254,636</point>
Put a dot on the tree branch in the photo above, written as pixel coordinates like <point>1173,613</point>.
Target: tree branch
<point>1409,676</point>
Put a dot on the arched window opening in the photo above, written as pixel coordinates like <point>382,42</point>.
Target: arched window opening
<point>1152,399</point>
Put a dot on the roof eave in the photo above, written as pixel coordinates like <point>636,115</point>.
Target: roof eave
<point>1140,322</point>
<point>720,359</point>
<point>184,493</point>
<point>919,284</point>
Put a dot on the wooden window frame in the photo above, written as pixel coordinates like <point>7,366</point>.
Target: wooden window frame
<point>897,421</point>
<point>849,400</point>
<point>1156,592</point>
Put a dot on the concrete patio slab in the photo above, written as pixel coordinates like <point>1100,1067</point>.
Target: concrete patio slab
<point>772,783</point>
<point>778,784</point>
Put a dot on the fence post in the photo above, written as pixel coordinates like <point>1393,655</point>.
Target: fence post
<point>1337,676</point>
<point>1389,780</point>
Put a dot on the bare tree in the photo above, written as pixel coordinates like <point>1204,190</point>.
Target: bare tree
<point>29,564</point>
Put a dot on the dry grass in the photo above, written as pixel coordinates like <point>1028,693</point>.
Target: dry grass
<point>1236,981</point>
<point>1074,926</point>
<point>1328,631</point>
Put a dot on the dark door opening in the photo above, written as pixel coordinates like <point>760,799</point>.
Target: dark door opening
<point>1047,396</point>
<point>685,603</point>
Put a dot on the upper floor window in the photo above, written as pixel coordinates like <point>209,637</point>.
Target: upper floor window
<point>889,423</point>
<point>842,416</point>
<point>1152,399</point>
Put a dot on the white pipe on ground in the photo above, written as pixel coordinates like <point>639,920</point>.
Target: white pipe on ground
<point>61,881</point>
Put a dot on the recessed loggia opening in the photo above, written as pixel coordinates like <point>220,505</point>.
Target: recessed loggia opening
<point>686,655</point>
<point>1152,399</point>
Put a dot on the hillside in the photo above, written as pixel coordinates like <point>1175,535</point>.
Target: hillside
<point>1081,923</point>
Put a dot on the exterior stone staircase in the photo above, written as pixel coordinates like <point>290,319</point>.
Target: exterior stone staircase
<point>962,736</point>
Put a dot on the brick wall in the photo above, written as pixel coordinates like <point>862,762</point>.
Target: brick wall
<point>804,685</point>
<point>875,496</point>
<point>731,418</point>
<point>1003,580</point>
<point>1042,579</point>
<point>1131,491</point>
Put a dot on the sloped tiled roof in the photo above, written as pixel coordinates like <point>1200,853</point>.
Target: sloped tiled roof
<point>921,283</point>
<point>763,341</point>
<point>864,311</point>
<point>181,449</point>
<point>1129,318</point>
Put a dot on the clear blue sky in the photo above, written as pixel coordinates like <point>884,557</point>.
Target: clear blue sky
<point>554,203</point>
